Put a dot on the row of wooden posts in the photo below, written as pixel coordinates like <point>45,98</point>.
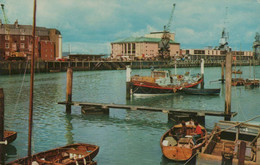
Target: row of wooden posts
<point>93,108</point>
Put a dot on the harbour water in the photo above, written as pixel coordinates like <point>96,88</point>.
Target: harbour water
<point>125,137</point>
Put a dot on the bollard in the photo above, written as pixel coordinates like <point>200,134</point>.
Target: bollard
<point>69,90</point>
<point>2,146</point>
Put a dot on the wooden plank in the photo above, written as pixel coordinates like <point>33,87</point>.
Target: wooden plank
<point>154,109</point>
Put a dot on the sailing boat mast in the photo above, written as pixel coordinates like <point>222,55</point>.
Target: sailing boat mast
<point>31,87</point>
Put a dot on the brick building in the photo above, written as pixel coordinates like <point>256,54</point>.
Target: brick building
<point>142,47</point>
<point>16,41</point>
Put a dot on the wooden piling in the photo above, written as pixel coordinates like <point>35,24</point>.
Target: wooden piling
<point>69,90</point>
<point>9,68</point>
<point>202,74</point>
<point>242,152</point>
<point>222,72</point>
<point>2,146</point>
<point>228,86</point>
<point>128,82</point>
<point>258,151</point>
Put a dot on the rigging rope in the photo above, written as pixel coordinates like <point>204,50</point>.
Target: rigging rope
<point>20,91</point>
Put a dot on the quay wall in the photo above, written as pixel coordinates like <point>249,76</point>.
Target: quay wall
<point>19,67</point>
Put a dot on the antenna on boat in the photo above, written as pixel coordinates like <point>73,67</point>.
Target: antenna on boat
<point>31,87</point>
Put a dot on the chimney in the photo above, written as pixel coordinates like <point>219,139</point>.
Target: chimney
<point>16,24</point>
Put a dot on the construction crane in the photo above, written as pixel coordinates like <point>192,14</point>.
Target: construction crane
<point>164,44</point>
<point>3,10</point>
<point>12,54</point>
<point>6,27</point>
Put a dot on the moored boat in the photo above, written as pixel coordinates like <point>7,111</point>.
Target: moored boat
<point>252,83</point>
<point>237,71</point>
<point>196,91</point>
<point>178,148</point>
<point>162,82</point>
<point>73,154</point>
<point>225,141</point>
<point>10,136</point>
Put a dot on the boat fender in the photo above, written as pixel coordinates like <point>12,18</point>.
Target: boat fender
<point>174,90</point>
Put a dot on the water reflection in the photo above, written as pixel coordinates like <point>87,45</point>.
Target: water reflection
<point>10,151</point>
<point>69,128</point>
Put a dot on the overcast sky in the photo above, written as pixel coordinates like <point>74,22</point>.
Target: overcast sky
<point>90,25</point>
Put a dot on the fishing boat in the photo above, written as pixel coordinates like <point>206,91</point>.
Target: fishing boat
<point>238,82</point>
<point>73,154</point>
<point>225,140</point>
<point>196,91</point>
<point>251,83</point>
<point>10,136</point>
<point>162,82</point>
<point>237,71</point>
<point>181,148</point>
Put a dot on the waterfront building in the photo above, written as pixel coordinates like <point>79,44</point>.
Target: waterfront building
<point>145,47</point>
<point>214,54</point>
<point>16,41</point>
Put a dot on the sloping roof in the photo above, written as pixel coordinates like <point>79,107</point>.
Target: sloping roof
<point>141,39</point>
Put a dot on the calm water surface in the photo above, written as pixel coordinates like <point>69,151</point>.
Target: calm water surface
<point>125,137</point>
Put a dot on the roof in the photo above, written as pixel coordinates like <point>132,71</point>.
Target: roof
<point>141,39</point>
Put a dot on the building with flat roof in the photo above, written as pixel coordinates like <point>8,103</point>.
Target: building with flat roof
<point>16,41</point>
<point>214,54</point>
<point>146,47</point>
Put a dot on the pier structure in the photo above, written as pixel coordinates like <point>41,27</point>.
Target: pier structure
<point>173,113</point>
<point>19,67</point>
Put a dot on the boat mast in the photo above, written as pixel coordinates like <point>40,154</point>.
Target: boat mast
<point>31,87</point>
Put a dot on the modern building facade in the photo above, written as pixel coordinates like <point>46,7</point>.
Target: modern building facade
<point>146,47</point>
<point>16,41</point>
<point>214,54</point>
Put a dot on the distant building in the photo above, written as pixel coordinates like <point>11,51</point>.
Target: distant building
<point>16,41</point>
<point>214,54</point>
<point>142,47</point>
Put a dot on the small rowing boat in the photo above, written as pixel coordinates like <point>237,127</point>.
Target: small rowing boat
<point>181,148</point>
<point>73,154</point>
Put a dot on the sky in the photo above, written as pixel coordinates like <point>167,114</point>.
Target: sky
<point>89,26</point>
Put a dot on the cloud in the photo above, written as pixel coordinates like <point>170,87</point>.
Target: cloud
<point>197,23</point>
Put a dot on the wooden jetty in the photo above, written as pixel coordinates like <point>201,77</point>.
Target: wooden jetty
<point>173,113</point>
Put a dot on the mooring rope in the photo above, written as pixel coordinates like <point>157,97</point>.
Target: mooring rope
<point>20,91</point>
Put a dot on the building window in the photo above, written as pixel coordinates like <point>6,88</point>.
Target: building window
<point>22,38</point>
<point>22,45</point>
<point>7,37</point>
<point>7,45</point>
<point>7,53</point>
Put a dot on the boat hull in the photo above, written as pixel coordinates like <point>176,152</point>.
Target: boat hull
<point>10,136</point>
<point>181,149</point>
<point>68,155</point>
<point>194,91</point>
<point>142,88</point>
